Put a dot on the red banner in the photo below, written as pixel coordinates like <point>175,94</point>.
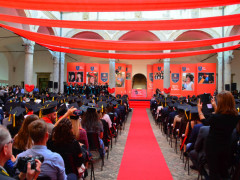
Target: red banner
<point>149,81</point>
<point>176,24</point>
<point>158,77</point>
<point>120,78</point>
<point>92,73</point>
<point>76,73</point>
<point>129,79</point>
<point>104,73</point>
<point>206,78</point>
<point>111,6</point>
<point>189,79</point>
<point>175,79</point>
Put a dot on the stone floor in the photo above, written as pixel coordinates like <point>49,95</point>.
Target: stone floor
<point>112,164</point>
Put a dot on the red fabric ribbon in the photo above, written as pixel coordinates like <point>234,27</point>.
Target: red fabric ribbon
<point>177,24</point>
<point>116,45</point>
<point>111,6</point>
<point>139,56</point>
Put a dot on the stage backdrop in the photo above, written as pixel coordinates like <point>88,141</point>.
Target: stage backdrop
<point>175,79</point>
<point>149,81</point>
<point>129,79</point>
<point>120,76</point>
<point>104,73</point>
<point>158,77</point>
<point>92,73</point>
<point>76,73</point>
<point>206,78</point>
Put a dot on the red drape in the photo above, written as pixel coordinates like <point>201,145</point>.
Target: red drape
<point>112,5</point>
<point>197,23</point>
<point>116,45</point>
<point>139,56</point>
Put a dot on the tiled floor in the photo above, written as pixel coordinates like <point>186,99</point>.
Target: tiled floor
<point>112,164</point>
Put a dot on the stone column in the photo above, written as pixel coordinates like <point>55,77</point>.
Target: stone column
<point>166,80</point>
<point>228,56</point>
<point>112,80</point>
<point>28,71</point>
<point>220,65</point>
<point>55,57</point>
<point>61,76</point>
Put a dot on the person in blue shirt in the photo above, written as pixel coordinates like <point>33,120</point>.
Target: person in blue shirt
<point>53,164</point>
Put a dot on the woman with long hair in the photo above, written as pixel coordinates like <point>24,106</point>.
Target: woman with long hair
<point>218,143</point>
<point>22,141</point>
<point>63,142</point>
<point>91,123</point>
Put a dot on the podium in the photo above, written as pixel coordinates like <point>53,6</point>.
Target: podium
<point>139,93</point>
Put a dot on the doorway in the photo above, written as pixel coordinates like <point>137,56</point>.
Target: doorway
<point>42,81</point>
<point>139,81</point>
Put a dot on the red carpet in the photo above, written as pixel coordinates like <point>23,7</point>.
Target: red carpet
<point>139,104</point>
<point>142,157</point>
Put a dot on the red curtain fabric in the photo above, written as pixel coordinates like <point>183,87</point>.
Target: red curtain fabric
<point>112,5</point>
<point>116,45</point>
<point>139,56</point>
<point>178,24</point>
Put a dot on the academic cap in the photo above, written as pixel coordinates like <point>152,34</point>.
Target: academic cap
<point>62,109</point>
<point>75,105</point>
<point>49,108</point>
<point>17,112</point>
<point>102,103</point>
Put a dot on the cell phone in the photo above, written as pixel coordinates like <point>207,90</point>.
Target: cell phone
<point>205,98</point>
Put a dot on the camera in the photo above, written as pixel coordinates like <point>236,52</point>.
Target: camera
<point>23,161</point>
<point>78,113</point>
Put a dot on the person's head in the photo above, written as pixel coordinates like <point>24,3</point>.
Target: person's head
<point>91,80</point>
<point>38,131</point>
<point>22,140</point>
<point>226,103</point>
<point>189,77</point>
<point>5,145</point>
<point>75,127</point>
<point>79,75</point>
<point>90,118</point>
<point>52,116</point>
<point>62,133</point>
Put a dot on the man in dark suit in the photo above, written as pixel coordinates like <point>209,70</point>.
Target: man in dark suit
<point>198,155</point>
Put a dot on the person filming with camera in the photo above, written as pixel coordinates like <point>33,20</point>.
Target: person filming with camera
<point>6,154</point>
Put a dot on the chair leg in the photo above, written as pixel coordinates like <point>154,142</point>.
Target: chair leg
<point>92,171</point>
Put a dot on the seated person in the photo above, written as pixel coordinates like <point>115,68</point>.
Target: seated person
<point>64,143</point>
<point>198,155</point>
<point>53,165</point>
<point>6,153</point>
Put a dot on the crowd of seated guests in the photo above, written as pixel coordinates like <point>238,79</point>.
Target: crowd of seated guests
<point>55,127</point>
<point>207,128</point>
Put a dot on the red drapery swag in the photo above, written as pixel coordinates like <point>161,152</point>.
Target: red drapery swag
<point>112,5</point>
<point>116,45</point>
<point>178,24</point>
<point>139,56</point>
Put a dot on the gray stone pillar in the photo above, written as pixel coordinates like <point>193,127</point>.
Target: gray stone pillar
<point>55,57</point>
<point>166,80</point>
<point>62,73</point>
<point>220,79</point>
<point>112,80</point>
<point>228,56</point>
<point>28,71</point>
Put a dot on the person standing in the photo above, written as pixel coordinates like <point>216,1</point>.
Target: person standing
<point>218,144</point>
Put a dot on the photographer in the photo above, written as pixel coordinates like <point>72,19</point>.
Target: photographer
<point>53,165</point>
<point>218,143</point>
<point>6,154</point>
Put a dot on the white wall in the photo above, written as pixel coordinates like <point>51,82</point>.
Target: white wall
<point>3,68</point>
<point>235,65</point>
